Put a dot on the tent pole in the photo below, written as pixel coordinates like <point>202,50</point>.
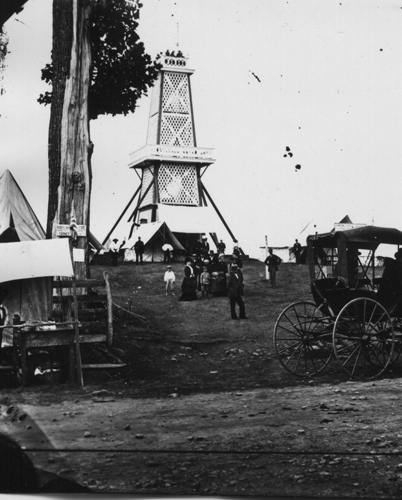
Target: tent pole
<point>121,216</point>
<point>219,214</point>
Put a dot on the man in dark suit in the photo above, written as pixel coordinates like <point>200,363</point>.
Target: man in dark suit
<point>235,290</point>
<point>297,248</point>
<point>139,250</point>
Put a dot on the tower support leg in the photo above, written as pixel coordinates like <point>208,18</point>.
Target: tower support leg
<point>219,214</point>
<point>122,215</point>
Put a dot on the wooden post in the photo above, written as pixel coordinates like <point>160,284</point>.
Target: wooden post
<point>342,257</point>
<point>266,255</point>
<point>80,379</point>
<point>311,258</point>
<point>109,310</point>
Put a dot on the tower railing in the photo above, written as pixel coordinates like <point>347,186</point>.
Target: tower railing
<point>165,152</point>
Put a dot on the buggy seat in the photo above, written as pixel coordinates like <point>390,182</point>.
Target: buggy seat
<point>330,294</point>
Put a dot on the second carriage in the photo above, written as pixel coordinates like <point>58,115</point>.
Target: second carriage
<point>355,314</point>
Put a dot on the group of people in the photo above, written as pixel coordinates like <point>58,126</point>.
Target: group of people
<point>198,275</point>
<point>115,248</point>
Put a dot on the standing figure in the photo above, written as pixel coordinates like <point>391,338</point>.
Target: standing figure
<point>236,250</point>
<point>188,268</point>
<point>3,311</point>
<point>167,249</point>
<point>297,251</point>
<point>272,261</point>
<point>235,259</point>
<point>189,285</point>
<point>213,257</point>
<point>235,291</point>
<point>205,247</point>
<point>205,278</point>
<point>139,250</point>
<point>169,279</point>
<point>114,249</point>
<point>221,247</point>
<point>197,267</point>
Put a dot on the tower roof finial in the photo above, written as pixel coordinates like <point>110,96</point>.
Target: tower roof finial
<point>177,36</point>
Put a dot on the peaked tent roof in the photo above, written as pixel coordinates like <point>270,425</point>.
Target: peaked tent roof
<point>345,220</point>
<point>16,213</point>
<point>147,231</point>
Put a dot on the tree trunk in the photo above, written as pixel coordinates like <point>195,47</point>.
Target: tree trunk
<point>61,55</point>
<point>70,147</point>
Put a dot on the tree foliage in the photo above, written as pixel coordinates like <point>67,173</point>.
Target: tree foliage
<point>3,53</point>
<point>121,69</point>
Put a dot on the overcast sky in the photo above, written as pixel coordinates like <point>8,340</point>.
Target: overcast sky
<point>320,77</point>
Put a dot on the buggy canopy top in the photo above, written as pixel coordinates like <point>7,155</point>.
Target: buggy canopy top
<point>366,237</point>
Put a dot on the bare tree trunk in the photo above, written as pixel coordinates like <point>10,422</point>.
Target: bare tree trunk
<point>69,118</point>
<point>61,55</point>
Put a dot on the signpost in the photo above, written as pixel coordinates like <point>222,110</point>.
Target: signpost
<point>63,230</point>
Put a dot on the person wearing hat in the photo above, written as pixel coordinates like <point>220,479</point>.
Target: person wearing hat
<point>272,262</point>
<point>114,249</point>
<point>205,280</point>
<point>169,279</point>
<point>235,289</point>
<point>297,248</point>
<point>221,247</point>
<point>139,250</point>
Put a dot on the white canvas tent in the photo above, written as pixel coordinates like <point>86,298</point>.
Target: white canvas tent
<point>27,273</point>
<point>18,221</point>
<point>154,235</point>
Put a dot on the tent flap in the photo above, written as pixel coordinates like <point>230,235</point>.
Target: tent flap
<point>16,212</point>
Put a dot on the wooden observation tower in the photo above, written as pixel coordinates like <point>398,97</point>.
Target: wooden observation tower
<point>171,165</point>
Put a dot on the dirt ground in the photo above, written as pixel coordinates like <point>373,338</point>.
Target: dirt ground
<point>204,407</point>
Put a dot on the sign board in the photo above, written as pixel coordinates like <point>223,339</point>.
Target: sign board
<point>64,230</point>
<point>338,226</point>
<point>78,255</point>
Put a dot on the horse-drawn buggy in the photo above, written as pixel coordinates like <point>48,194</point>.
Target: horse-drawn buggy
<point>355,314</point>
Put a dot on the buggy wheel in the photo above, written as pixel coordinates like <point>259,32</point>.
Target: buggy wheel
<point>303,339</point>
<point>398,339</point>
<point>364,339</point>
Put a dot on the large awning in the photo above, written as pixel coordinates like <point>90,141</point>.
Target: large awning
<point>35,259</point>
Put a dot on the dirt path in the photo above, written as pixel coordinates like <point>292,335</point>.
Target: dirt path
<point>343,440</point>
<point>204,406</point>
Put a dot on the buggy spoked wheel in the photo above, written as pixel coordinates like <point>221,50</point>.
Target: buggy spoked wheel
<point>303,339</point>
<point>364,339</point>
<point>398,339</point>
